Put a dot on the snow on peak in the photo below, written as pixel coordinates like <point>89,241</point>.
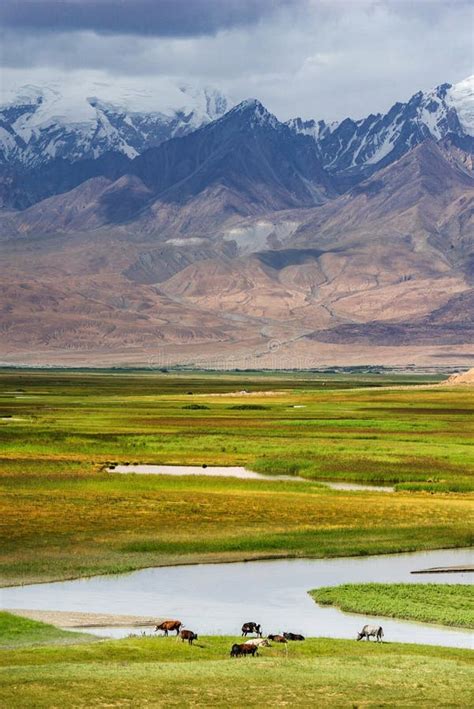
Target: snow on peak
<point>351,146</point>
<point>76,120</point>
<point>27,95</point>
<point>248,104</point>
<point>315,129</point>
<point>256,113</point>
<point>461,97</point>
<point>447,108</point>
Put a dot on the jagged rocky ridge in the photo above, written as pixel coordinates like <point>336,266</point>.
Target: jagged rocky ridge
<point>247,151</point>
<point>50,143</point>
<point>353,149</point>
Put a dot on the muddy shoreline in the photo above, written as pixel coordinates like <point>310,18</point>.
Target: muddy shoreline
<point>76,619</point>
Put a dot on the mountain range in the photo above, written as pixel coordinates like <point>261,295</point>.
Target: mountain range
<point>205,232</point>
<point>41,123</point>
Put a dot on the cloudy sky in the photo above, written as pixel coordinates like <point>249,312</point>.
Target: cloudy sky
<point>313,58</point>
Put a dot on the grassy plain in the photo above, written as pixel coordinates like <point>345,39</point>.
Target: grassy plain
<point>447,604</point>
<point>16,632</point>
<point>138,672</point>
<point>63,516</point>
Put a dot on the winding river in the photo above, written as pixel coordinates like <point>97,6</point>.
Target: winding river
<point>218,598</point>
<point>235,471</point>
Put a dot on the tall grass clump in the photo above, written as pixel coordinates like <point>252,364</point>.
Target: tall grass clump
<point>447,604</point>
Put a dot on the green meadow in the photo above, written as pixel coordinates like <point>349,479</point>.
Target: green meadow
<point>63,516</point>
<point>322,427</point>
<point>138,672</point>
<point>446,604</point>
<point>17,632</point>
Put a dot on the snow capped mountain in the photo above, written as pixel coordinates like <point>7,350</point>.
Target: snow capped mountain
<point>254,114</point>
<point>461,97</point>
<point>38,124</point>
<point>316,129</point>
<point>54,137</point>
<point>247,152</point>
<point>351,148</point>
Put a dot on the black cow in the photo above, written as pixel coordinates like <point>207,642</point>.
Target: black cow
<point>252,627</point>
<point>293,636</point>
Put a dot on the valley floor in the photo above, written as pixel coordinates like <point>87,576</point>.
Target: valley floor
<point>63,516</point>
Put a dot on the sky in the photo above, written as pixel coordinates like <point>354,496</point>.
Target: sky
<point>310,58</point>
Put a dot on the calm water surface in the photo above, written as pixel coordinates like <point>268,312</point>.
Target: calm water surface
<point>218,598</point>
<point>234,471</point>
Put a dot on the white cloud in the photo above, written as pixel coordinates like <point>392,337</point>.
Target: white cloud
<point>317,59</point>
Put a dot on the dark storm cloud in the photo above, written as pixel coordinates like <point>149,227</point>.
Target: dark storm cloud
<point>312,58</point>
<point>160,18</point>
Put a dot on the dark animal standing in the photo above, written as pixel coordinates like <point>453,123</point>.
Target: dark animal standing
<point>368,631</point>
<point>251,627</point>
<point>277,638</point>
<point>188,635</point>
<point>293,636</point>
<point>243,649</point>
<point>168,625</point>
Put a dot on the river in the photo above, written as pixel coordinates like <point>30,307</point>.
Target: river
<point>218,598</point>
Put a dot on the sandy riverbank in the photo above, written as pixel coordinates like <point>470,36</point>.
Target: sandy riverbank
<point>73,619</point>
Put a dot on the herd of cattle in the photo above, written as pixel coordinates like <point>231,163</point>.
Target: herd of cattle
<point>251,645</point>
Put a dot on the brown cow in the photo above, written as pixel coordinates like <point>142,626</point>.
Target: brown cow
<point>277,638</point>
<point>168,625</point>
<point>243,649</point>
<point>188,635</point>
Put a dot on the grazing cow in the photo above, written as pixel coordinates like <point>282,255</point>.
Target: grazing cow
<point>293,636</point>
<point>258,642</point>
<point>251,627</point>
<point>277,638</point>
<point>188,635</point>
<point>243,649</point>
<point>368,631</point>
<point>168,625</point>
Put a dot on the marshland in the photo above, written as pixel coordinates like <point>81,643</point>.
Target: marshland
<point>65,514</point>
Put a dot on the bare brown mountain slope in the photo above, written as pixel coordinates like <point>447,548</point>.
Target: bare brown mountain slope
<point>381,274</point>
<point>383,252</point>
<point>85,207</point>
<point>417,196</point>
